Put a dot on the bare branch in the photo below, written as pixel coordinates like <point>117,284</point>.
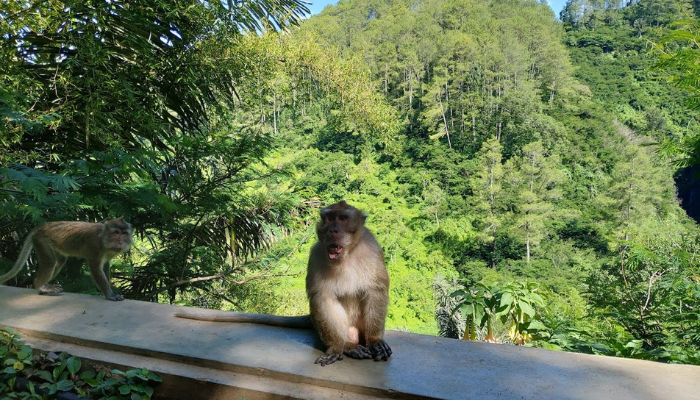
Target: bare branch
<point>655,276</point>
<point>193,280</point>
<point>250,278</point>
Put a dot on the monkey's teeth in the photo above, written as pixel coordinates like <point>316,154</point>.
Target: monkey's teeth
<point>334,251</point>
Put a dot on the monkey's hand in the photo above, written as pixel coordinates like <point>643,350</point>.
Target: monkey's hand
<point>327,359</point>
<point>380,350</point>
<point>115,297</point>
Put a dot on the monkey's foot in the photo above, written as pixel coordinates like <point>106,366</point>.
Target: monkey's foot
<point>380,350</point>
<point>327,359</point>
<point>115,297</point>
<point>359,352</point>
<point>51,290</point>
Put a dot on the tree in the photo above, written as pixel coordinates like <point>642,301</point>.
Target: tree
<point>434,198</point>
<point>650,289</point>
<point>104,72</point>
<point>124,108</point>
<point>637,190</point>
<point>680,66</point>
<point>487,190</point>
<point>533,178</point>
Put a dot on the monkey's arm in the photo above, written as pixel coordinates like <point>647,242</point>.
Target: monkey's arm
<point>97,268</point>
<point>375,306</point>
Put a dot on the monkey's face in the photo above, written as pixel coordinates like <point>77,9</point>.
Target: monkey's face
<point>337,229</point>
<point>117,235</point>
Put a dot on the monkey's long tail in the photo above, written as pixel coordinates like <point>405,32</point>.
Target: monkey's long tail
<point>300,322</point>
<point>23,256</point>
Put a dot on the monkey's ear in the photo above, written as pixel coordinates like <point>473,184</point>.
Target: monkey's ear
<point>125,224</point>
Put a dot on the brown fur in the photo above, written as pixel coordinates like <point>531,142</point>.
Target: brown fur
<point>348,289</point>
<point>98,243</point>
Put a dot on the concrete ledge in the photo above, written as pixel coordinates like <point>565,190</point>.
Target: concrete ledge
<point>205,360</point>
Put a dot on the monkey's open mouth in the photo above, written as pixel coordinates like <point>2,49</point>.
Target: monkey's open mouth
<point>334,251</point>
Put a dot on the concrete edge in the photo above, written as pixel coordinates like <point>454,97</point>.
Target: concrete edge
<point>205,378</point>
<point>185,381</point>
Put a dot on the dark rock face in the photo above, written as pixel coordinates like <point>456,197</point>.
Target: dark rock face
<point>688,183</point>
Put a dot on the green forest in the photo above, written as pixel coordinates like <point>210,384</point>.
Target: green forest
<point>532,178</point>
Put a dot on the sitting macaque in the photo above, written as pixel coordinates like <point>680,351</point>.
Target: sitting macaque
<point>348,289</point>
<point>99,243</point>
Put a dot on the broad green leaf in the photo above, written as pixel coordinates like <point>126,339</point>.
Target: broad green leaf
<point>152,376</point>
<point>536,298</point>
<point>64,385</point>
<point>550,346</point>
<point>73,364</point>
<point>527,308</point>
<point>507,299</point>
<point>24,353</point>
<point>9,370</point>
<point>87,374</point>
<point>536,325</point>
<point>124,389</point>
<point>45,375</point>
<point>467,309</point>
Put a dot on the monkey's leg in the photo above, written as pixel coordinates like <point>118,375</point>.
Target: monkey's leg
<point>47,260</point>
<point>54,289</point>
<point>107,271</point>
<point>332,324</point>
<point>97,270</point>
<point>375,306</point>
<point>60,262</point>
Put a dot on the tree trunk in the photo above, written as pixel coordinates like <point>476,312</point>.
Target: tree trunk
<point>229,243</point>
<point>493,252</point>
<point>527,244</point>
<point>274,114</point>
<point>444,120</point>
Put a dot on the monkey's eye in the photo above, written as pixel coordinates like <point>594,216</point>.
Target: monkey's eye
<point>343,217</point>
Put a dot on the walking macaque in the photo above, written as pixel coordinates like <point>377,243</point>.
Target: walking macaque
<point>54,241</point>
<point>348,289</point>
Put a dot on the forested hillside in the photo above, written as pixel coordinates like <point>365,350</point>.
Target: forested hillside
<point>503,156</point>
<point>514,165</point>
<point>615,52</point>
